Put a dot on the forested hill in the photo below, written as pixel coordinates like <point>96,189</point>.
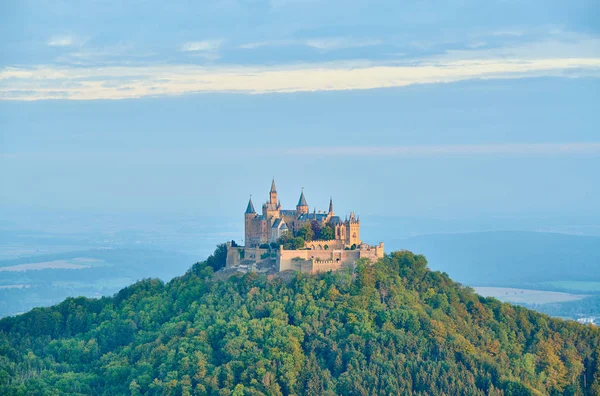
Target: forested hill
<point>391,328</point>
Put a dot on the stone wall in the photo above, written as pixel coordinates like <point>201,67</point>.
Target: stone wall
<point>312,261</point>
<point>240,255</point>
<point>304,260</point>
<point>320,245</point>
<point>325,266</point>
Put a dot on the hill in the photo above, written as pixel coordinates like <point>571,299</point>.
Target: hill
<point>390,328</point>
<point>511,258</point>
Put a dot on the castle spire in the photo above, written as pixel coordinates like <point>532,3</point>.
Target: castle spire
<point>302,200</point>
<point>331,205</point>
<point>302,207</point>
<point>250,207</point>
<point>273,194</point>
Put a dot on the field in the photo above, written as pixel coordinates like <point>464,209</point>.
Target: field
<point>524,296</point>
<point>73,263</point>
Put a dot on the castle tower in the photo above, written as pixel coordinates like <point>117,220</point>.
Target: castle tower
<point>249,218</point>
<point>353,230</point>
<point>302,206</point>
<point>273,193</point>
<point>331,206</point>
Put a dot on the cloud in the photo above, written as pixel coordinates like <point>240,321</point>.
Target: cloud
<point>121,82</point>
<point>323,43</point>
<point>271,43</point>
<point>451,150</point>
<point>508,33</point>
<point>120,53</point>
<point>566,46</point>
<point>333,43</point>
<point>575,56</point>
<point>64,41</point>
<point>205,45</point>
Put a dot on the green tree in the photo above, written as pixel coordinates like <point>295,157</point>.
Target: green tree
<point>392,327</point>
<point>306,232</point>
<point>327,233</point>
<point>218,259</point>
<point>290,242</point>
<point>316,229</point>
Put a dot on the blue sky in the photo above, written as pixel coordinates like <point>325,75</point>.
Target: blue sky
<point>426,108</point>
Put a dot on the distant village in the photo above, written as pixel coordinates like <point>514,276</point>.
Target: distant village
<point>297,239</point>
<point>595,321</point>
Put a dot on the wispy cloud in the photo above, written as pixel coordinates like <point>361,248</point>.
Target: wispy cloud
<point>268,43</point>
<point>565,46</point>
<point>508,32</point>
<point>333,43</point>
<point>87,83</point>
<point>321,43</point>
<point>65,41</point>
<point>451,150</point>
<point>204,45</point>
<point>573,56</point>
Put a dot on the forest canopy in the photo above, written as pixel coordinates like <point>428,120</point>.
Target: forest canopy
<point>393,327</point>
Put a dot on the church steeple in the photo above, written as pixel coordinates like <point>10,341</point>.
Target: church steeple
<point>331,206</point>
<point>250,207</point>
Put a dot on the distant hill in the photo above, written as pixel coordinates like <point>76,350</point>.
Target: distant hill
<point>393,328</point>
<point>520,259</point>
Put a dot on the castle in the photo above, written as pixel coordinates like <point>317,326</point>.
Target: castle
<point>262,231</point>
<point>274,221</point>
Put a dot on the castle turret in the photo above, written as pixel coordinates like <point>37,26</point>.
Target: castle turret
<point>250,208</point>
<point>302,206</point>
<point>249,218</point>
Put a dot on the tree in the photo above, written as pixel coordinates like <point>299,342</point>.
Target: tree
<point>327,233</point>
<point>290,242</point>
<point>306,232</point>
<point>395,328</point>
<point>316,229</point>
<point>218,259</point>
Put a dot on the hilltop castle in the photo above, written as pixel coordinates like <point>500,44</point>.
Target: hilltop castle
<point>274,221</point>
<point>343,245</point>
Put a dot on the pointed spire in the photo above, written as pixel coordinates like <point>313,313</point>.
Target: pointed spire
<point>331,205</point>
<point>250,207</point>
<point>302,200</point>
<point>273,189</point>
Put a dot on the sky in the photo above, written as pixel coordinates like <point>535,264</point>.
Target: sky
<point>439,109</point>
